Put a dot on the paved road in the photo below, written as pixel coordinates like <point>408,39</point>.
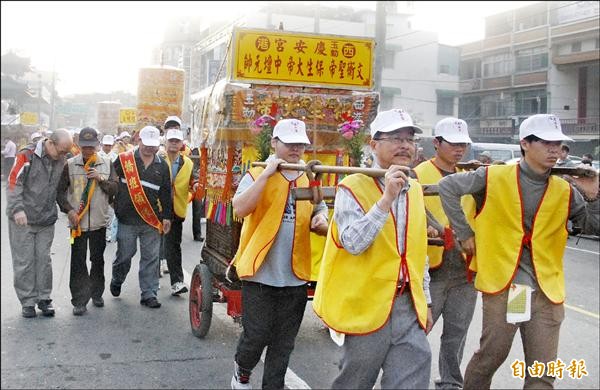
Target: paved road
<point>125,345</point>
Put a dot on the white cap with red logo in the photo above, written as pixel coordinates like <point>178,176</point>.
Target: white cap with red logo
<point>291,131</point>
<point>453,130</point>
<point>543,126</point>
<point>391,120</point>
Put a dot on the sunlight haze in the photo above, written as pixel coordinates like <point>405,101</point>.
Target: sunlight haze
<point>99,46</point>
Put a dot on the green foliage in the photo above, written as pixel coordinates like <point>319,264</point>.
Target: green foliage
<point>262,142</point>
<point>355,146</point>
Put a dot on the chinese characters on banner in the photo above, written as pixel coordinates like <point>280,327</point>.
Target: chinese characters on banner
<point>160,94</point>
<point>277,57</point>
<point>127,116</point>
<point>29,118</point>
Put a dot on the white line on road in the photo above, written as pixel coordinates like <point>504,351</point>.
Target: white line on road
<point>292,381</point>
<point>583,250</point>
<point>583,311</point>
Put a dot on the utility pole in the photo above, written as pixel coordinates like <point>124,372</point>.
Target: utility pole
<point>39,102</point>
<point>380,29</point>
<point>51,125</point>
<point>317,17</point>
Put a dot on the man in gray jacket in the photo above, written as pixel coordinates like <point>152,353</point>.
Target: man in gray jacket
<point>88,182</point>
<point>32,213</point>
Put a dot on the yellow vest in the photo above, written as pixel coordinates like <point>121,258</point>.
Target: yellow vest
<point>500,235</point>
<point>355,294</point>
<point>181,187</point>
<point>261,226</point>
<point>428,173</point>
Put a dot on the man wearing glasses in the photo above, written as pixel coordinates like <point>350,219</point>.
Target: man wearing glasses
<point>452,294</point>
<point>274,257</point>
<point>32,213</point>
<point>373,287</point>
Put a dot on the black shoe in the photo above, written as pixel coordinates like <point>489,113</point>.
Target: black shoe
<point>28,311</point>
<point>115,290</point>
<point>98,302</point>
<point>46,307</point>
<point>198,238</point>
<point>79,310</point>
<point>151,302</point>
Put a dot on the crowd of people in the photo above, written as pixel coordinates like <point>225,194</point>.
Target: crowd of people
<point>110,191</point>
<point>381,287</point>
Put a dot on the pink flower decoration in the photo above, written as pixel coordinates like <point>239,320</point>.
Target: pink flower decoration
<point>348,135</point>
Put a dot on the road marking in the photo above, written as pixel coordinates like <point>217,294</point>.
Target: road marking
<point>583,311</point>
<point>583,250</point>
<point>292,381</point>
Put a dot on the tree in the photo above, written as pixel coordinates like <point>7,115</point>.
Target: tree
<point>15,66</point>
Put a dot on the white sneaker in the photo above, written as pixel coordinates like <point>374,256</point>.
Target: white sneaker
<point>178,288</point>
<point>239,380</point>
<point>164,268</point>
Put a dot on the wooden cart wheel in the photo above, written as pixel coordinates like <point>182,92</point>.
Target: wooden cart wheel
<point>201,300</point>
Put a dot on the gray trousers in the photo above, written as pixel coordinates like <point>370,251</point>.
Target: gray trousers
<point>453,298</point>
<point>400,348</point>
<point>32,265</point>
<point>150,238</point>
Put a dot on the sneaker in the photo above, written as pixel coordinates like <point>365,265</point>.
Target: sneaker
<point>198,238</point>
<point>240,378</point>
<point>115,290</point>
<point>164,268</point>
<point>28,311</point>
<point>98,302</point>
<point>178,288</point>
<point>151,302</point>
<point>79,310</point>
<point>46,307</point>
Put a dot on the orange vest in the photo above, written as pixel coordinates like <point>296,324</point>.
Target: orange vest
<point>499,233</point>
<point>355,293</point>
<point>261,226</point>
<point>428,173</point>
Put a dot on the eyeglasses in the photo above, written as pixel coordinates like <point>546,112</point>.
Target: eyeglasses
<point>398,140</point>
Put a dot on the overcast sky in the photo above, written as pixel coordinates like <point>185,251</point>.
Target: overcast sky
<point>99,46</point>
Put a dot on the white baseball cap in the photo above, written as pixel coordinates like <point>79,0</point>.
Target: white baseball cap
<point>174,133</point>
<point>391,120</point>
<point>124,134</point>
<point>150,136</point>
<point>172,118</point>
<point>453,130</point>
<point>36,135</point>
<point>108,140</point>
<point>543,126</point>
<point>291,131</point>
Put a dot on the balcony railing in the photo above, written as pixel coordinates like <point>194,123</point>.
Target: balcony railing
<point>581,126</point>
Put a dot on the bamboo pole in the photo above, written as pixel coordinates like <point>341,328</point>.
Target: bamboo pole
<point>571,171</point>
<point>372,172</point>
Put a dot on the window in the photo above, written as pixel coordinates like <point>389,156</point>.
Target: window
<point>497,65</point>
<point>531,102</point>
<point>470,69</point>
<point>388,59</point>
<point>575,47</point>
<point>494,106</point>
<point>444,69</point>
<point>531,60</point>
<point>469,107</point>
<point>445,102</point>
<point>597,46</point>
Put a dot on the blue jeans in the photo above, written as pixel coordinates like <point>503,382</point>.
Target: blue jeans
<point>127,247</point>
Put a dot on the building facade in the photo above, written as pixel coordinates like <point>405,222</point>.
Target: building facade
<point>542,58</point>
<point>428,91</point>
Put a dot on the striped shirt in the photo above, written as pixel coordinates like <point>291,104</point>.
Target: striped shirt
<point>358,230</point>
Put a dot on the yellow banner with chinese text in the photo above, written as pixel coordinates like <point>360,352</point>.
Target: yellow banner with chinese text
<point>29,118</point>
<point>127,116</point>
<point>279,57</point>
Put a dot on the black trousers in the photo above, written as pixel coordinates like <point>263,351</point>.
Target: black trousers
<point>85,285</point>
<point>197,215</point>
<point>272,318</point>
<point>172,241</point>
